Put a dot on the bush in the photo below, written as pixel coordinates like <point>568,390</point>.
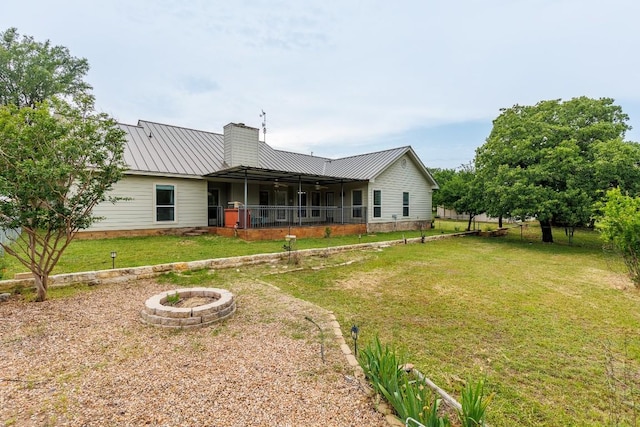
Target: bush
<point>620,227</point>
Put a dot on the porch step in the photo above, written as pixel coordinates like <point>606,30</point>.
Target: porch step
<point>191,232</point>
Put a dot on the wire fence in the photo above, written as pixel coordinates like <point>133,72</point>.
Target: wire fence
<point>7,236</point>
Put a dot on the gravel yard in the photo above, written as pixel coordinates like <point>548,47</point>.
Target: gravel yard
<point>87,360</point>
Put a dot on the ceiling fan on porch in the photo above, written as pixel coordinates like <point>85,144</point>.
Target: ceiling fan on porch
<point>277,184</point>
<point>320,187</point>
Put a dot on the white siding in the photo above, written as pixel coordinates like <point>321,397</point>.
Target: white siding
<point>138,210</point>
<point>395,180</point>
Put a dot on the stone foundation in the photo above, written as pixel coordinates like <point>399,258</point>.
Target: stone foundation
<point>386,227</point>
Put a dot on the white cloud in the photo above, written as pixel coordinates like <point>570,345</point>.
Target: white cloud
<point>341,76</point>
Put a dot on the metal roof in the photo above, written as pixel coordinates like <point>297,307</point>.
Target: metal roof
<point>160,149</point>
<point>164,149</point>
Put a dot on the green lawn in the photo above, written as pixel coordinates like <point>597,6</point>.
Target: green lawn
<point>539,321</point>
<point>90,255</point>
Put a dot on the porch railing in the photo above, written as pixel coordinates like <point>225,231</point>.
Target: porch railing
<point>258,216</point>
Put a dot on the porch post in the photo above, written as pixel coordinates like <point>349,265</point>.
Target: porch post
<point>245,199</point>
<point>342,202</point>
<point>300,200</point>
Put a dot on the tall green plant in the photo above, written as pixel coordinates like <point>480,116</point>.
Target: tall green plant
<point>409,398</point>
<point>620,227</point>
<point>474,404</point>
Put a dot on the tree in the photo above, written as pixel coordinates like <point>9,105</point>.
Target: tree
<point>555,159</point>
<point>58,157</point>
<point>442,177</point>
<point>31,72</point>
<point>620,227</point>
<point>462,192</point>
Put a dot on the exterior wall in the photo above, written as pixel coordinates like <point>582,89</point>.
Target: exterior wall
<point>402,176</point>
<point>241,145</point>
<point>138,210</point>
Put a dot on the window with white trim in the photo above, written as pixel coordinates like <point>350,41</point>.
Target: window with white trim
<point>165,203</point>
<point>377,203</point>
<point>405,204</point>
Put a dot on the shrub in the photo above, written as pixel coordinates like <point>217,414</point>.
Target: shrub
<point>620,227</point>
<point>327,232</point>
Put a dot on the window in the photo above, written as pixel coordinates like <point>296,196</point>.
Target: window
<point>165,203</point>
<point>356,198</point>
<point>377,203</point>
<point>405,204</point>
<point>315,203</point>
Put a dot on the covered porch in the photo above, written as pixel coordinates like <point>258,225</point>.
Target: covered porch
<point>248,198</point>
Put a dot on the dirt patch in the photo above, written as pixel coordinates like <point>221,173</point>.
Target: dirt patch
<point>368,281</point>
<point>191,302</point>
<point>611,279</point>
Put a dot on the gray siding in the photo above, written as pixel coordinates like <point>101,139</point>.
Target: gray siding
<point>138,210</point>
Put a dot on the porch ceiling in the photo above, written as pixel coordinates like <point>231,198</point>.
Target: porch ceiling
<point>259,174</point>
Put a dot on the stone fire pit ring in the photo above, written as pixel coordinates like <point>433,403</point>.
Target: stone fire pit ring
<point>158,312</point>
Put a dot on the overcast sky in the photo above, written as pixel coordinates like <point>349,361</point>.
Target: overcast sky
<point>338,78</point>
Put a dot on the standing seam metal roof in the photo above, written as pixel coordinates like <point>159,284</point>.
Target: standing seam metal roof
<point>165,149</point>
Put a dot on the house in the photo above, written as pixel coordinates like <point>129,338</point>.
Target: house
<point>180,179</point>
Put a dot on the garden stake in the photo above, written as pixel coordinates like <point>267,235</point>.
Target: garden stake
<point>321,337</point>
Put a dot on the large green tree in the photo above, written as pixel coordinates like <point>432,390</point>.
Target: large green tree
<point>32,71</point>
<point>555,160</point>
<point>58,157</point>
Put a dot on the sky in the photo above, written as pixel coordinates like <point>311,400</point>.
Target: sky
<point>344,77</point>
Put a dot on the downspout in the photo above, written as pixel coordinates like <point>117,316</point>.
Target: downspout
<point>245,199</point>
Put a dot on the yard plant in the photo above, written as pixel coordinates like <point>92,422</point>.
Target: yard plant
<point>408,397</point>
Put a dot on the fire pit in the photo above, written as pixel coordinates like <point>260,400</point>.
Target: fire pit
<point>188,307</point>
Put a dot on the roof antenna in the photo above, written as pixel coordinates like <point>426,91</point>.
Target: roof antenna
<point>264,125</point>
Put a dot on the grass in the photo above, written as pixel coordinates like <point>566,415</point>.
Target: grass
<point>537,321</point>
<point>531,318</point>
<point>90,255</point>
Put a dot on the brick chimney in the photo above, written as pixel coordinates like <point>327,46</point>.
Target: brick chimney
<point>241,145</point>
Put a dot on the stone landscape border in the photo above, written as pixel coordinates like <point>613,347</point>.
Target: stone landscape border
<point>123,275</point>
<point>158,312</point>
